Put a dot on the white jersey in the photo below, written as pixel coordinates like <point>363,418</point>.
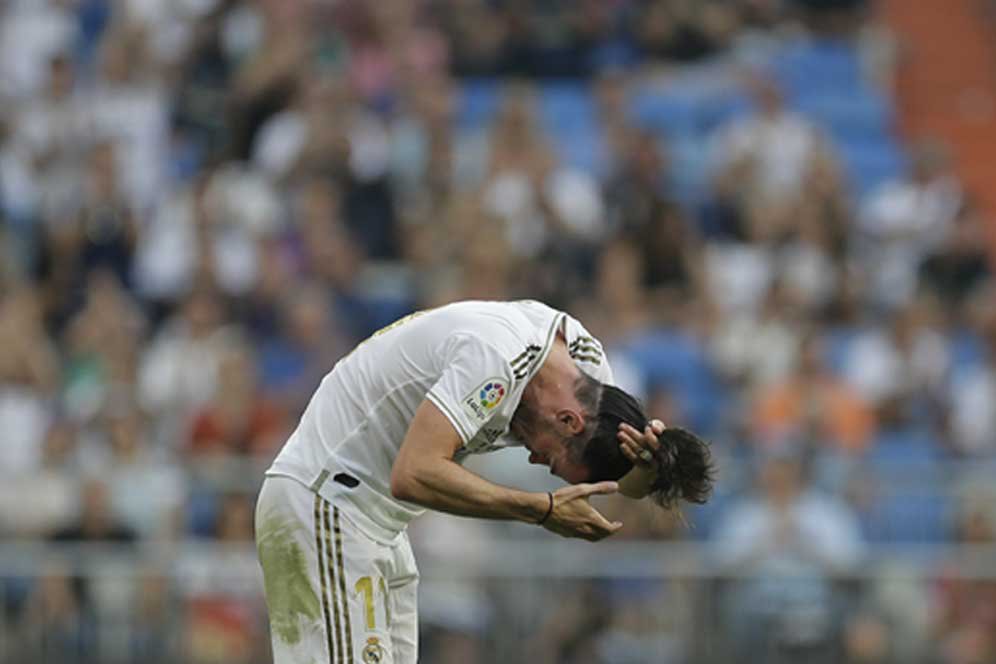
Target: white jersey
<point>471,359</point>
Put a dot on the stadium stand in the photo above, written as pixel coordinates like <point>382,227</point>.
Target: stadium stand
<point>204,204</point>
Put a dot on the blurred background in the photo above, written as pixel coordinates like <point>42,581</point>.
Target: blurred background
<point>776,214</point>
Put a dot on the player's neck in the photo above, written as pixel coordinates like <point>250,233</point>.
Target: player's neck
<point>558,373</point>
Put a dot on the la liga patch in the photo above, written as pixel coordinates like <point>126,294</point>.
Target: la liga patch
<point>480,403</point>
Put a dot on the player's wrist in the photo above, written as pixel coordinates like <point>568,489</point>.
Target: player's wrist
<point>533,508</point>
<point>549,509</point>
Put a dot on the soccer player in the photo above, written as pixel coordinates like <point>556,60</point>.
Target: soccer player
<point>384,436</point>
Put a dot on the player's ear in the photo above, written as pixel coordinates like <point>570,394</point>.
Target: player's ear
<point>571,421</point>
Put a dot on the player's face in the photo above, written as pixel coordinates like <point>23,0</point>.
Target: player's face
<point>546,444</point>
<point>550,449</point>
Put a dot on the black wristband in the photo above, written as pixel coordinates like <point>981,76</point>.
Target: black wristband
<point>549,510</point>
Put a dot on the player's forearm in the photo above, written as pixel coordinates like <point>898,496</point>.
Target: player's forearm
<point>637,483</point>
<point>447,487</point>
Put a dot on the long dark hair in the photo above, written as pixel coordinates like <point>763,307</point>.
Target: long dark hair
<point>684,463</point>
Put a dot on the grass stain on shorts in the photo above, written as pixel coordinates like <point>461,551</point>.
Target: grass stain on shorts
<point>289,593</point>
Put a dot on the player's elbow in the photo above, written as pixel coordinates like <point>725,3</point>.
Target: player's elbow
<point>403,485</point>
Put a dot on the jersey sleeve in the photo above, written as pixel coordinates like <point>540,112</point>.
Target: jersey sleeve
<point>588,354</point>
<point>475,381</point>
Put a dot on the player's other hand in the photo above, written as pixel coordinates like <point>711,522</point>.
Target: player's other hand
<point>573,515</point>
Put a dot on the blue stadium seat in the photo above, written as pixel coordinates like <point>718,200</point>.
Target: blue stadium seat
<point>703,519</point>
<point>566,113</point>
<point>837,344</point>
<point>566,105</point>
<point>665,112</point>
<point>858,116</point>
<point>719,109</point>
<point>923,515</point>
<point>201,512</point>
<point>677,362</point>
<point>582,149</point>
<point>870,164</point>
<point>905,449</point>
<point>819,65</point>
<point>478,102</point>
<point>914,507</point>
<point>966,350</point>
<point>689,164</point>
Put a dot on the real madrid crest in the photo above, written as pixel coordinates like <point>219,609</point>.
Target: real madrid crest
<point>373,652</point>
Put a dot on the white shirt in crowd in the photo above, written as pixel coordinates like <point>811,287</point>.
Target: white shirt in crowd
<point>781,147</point>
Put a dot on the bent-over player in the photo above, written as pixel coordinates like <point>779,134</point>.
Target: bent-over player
<point>384,436</point>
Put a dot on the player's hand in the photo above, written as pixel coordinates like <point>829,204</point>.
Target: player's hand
<point>640,447</point>
<point>573,515</point>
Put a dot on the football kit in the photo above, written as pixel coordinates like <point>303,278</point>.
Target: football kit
<point>340,577</point>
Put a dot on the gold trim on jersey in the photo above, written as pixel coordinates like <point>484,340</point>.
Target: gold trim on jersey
<point>536,359</point>
<point>335,604</point>
<point>342,582</point>
<point>585,349</point>
<point>321,575</point>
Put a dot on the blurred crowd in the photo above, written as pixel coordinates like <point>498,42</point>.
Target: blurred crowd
<point>205,203</point>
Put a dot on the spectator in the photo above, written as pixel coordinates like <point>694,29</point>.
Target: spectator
<point>209,232</point>
<point>906,220</point>
<point>811,402</point>
<point>769,156</point>
<point>298,141</point>
<point>477,33</point>
<point>266,79</point>
<point>96,522</point>
<point>294,361</point>
<point>204,71</point>
<point>422,143</point>
<point>127,107</point>
<point>972,398</point>
<point>672,255</point>
<point>908,358</point>
<point>518,167</point>
<point>235,519</point>
<point>155,622</point>
<point>759,352</point>
<point>55,625</point>
<point>960,264</point>
<point>868,639</point>
<point>812,259</point>
<point>96,232</point>
<point>146,489</point>
<point>102,343</point>
<point>33,504</point>
<point>46,149</point>
<point>684,31</point>
<point>31,34</point>
<point>964,620</point>
<point>792,543</point>
<point>237,420</point>
<point>29,374</point>
<point>179,369</point>
<point>638,184</point>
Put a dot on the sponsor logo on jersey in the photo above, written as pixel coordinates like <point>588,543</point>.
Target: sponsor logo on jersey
<point>480,403</point>
<point>373,652</point>
<point>492,394</point>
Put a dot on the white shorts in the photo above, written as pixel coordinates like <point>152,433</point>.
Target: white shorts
<point>334,595</point>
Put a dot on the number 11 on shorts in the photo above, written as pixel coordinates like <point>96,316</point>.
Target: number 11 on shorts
<point>365,586</point>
